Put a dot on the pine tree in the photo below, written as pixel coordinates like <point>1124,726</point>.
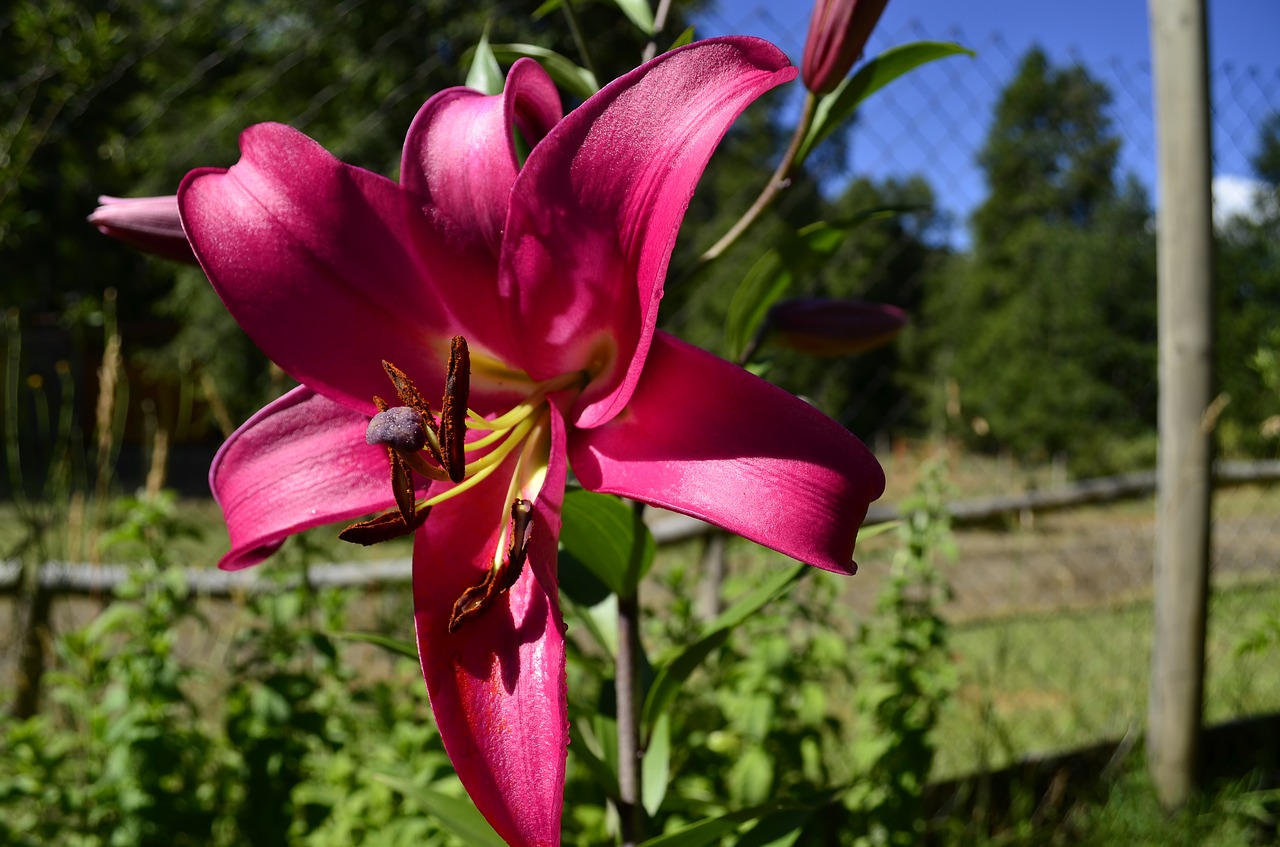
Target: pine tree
<point>1048,326</point>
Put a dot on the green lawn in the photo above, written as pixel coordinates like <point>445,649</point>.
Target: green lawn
<point>1050,683</point>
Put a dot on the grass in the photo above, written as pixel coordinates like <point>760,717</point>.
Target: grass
<point>1122,811</point>
<point>1028,684</point>
<point>1048,683</point>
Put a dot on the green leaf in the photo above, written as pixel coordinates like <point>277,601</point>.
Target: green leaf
<point>771,276</point>
<point>657,766</point>
<point>571,77</point>
<point>545,9</point>
<point>391,645</point>
<point>878,529</point>
<point>458,815</point>
<point>710,830</point>
<point>684,38</point>
<point>780,829</point>
<point>673,672</point>
<point>835,108</point>
<point>581,748</point>
<point>639,13</point>
<point>578,583</point>
<point>608,538</point>
<point>600,621</point>
<point>764,285</point>
<point>485,74</point>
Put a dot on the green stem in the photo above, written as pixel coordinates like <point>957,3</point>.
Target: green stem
<point>630,754</point>
<point>780,180</point>
<point>571,15</point>
<point>659,23</point>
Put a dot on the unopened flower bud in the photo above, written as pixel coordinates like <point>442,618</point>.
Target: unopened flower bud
<point>151,224</point>
<point>399,428</point>
<point>838,32</point>
<point>826,327</point>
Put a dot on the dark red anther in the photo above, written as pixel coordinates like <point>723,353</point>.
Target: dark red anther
<point>409,394</point>
<point>384,527</point>
<point>453,413</point>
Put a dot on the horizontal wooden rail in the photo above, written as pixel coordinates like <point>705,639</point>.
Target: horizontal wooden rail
<point>667,528</point>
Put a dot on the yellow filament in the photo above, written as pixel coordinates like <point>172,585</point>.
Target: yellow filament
<point>513,489</point>
<point>500,452</point>
<point>505,421</point>
<point>485,465</point>
<point>530,404</point>
<point>480,443</point>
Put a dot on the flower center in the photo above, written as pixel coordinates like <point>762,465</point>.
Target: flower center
<point>416,442</point>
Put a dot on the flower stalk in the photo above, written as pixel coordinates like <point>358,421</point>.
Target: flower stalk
<point>631,812</point>
<point>777,183</point>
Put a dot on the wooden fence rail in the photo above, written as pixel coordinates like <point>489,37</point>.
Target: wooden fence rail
<point>667,527</point>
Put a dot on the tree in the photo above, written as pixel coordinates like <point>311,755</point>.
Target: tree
<point>1248,300</point>
<point>125,99</point>
<point>1047,327</point>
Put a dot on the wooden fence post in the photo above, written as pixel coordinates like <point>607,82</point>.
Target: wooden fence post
<point>1185,313</point>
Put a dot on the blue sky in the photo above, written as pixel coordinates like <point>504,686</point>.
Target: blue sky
<point>934,123</point>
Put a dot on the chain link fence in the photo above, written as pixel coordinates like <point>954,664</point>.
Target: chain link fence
<point>1051,613</point>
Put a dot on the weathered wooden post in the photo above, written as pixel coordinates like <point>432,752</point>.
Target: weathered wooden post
<point>1183,486</point>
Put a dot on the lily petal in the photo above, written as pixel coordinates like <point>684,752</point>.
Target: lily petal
<point>497,684</point>
<point>595,211</point>
<point>460,153</point>
<point>315,259</point>
<point>299,462</point>
<point>706,438</point>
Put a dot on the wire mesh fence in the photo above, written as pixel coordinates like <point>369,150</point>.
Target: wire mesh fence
<point>1051,613</point>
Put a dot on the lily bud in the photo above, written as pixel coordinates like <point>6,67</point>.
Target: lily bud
<point>825,327</point>
<point>838,32</point>
<point>151,224</point>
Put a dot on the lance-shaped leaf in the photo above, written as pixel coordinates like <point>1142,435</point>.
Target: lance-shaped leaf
<point>675,669</point>
<point>835,108</point>
<point>567,74</point>
<point>608,538</point>
<point>771,277</point>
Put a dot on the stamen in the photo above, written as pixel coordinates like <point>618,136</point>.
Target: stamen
<point>384,527</point>
<point>481,443</point>
<point>453,414</point>
<point>521,523</point>
<point>402,487</point>
<point>409,394</point>
<point>530,404</point>
<point>499,578</point>
<point>478,470</point>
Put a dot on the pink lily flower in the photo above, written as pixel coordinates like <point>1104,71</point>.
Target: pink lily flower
<point>552,273</point>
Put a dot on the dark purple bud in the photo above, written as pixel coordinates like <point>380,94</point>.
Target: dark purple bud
<point>826,327</point>
<point>399,428</point>
<point>838,31</point>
